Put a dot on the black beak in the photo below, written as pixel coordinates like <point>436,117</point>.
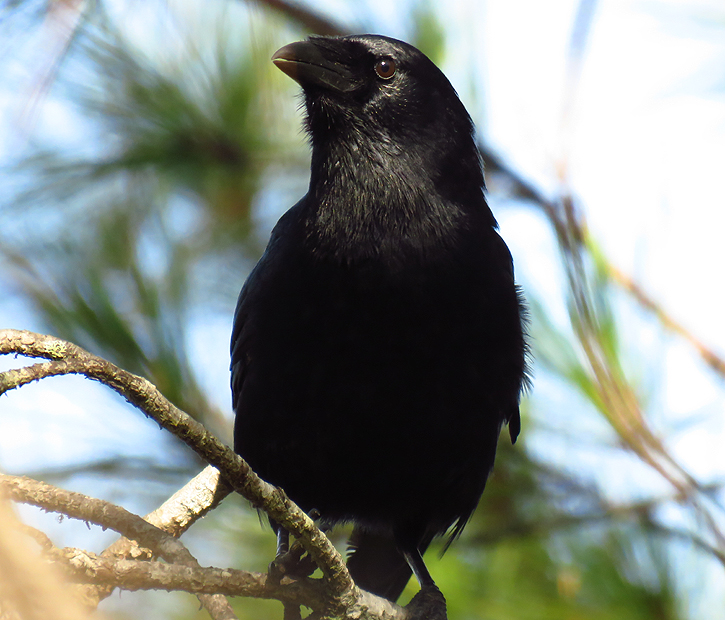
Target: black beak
<point>305,63</point>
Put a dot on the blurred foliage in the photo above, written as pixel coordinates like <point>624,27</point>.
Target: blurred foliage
<point>150,220</point>
<point>163,199</point>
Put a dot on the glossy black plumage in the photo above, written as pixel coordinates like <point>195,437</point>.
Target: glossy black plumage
<point>378,344</point>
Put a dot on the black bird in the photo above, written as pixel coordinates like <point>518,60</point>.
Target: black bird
<point>378,345</point>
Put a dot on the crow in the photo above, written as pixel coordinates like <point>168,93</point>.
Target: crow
<point>379,345</point>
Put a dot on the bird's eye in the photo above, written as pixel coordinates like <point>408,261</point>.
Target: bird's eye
<point>385,68</point>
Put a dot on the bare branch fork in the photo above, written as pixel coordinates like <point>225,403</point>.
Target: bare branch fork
<point>335,596</point>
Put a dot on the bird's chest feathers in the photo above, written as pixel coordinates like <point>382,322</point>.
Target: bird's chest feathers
<point>377,205</point>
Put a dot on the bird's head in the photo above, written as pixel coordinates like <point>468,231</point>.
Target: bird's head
<point>386,100</point>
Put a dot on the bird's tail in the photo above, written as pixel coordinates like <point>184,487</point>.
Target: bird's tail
<point>377,565</point>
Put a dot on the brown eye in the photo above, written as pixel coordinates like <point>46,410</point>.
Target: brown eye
<point>385,68</point>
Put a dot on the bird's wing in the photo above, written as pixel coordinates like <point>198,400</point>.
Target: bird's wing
<point>505,265</point>
<point>238,348</point>
<point>259,278</point>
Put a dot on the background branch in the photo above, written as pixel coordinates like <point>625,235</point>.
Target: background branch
<point>315,22</point>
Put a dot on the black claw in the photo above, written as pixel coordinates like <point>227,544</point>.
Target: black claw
<point>292,562</point>
<point>428,604</point>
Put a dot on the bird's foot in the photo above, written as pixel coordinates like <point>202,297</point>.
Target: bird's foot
<point>294,563</point>
<point>428,604</point>
<point>289,561</point>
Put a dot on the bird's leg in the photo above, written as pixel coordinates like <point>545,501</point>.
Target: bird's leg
<point>297,563</point>
<point>281,564</point>
<point>278,567</point>
<point>291,612</point>
<point>282,541</point>
<point>420,570</point>
<point>429,603</point>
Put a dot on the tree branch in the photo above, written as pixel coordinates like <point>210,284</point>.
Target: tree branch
<point>153,575</point>
<point>183,572</point>
<point>343,598</point>
<point>145,575</point>
<point>178,513</point>
<point>311,20</point>
<point>67,358</point>
<point>195,499</point>
<point>175,516</point>
<point>97,511</point>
